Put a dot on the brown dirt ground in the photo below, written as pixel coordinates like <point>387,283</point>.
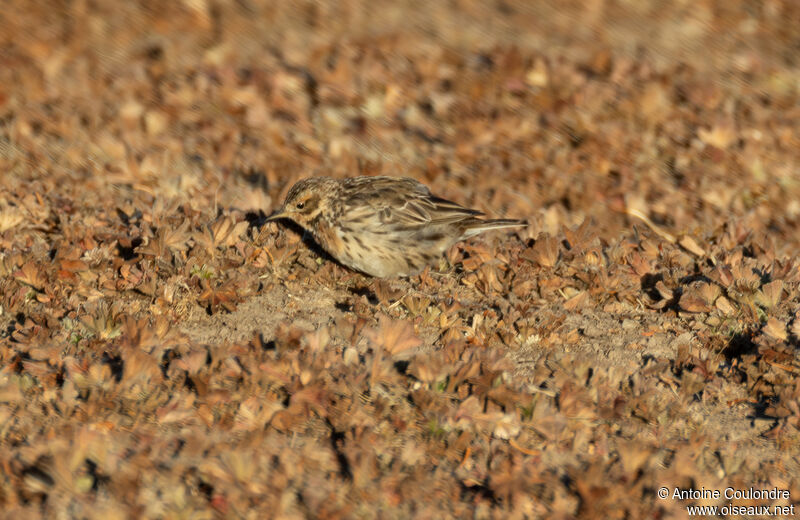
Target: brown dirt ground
<point>164,353</point>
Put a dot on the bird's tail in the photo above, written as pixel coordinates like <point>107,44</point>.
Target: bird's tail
<point>479,226</point>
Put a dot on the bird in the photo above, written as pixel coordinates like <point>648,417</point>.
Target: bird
<point>381,226</point>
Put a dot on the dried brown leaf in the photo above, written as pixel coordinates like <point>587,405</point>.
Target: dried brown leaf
<point>775,328</point>
<point>394,336</point>
<point>545,251</point>
<point>31,276</point>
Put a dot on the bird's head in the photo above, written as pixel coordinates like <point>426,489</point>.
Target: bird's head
<point>306,200</point>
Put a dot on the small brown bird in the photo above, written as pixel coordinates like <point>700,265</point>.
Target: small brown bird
<point>382,226</point>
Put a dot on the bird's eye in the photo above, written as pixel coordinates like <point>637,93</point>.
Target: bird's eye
<point>300,205</point>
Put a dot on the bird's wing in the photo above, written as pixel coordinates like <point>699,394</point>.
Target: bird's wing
<point>389,201</point>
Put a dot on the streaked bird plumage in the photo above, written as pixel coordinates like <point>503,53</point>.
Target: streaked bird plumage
<point>382,226</point>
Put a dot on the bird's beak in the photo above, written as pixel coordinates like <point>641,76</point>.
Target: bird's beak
<point>281,213</point>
